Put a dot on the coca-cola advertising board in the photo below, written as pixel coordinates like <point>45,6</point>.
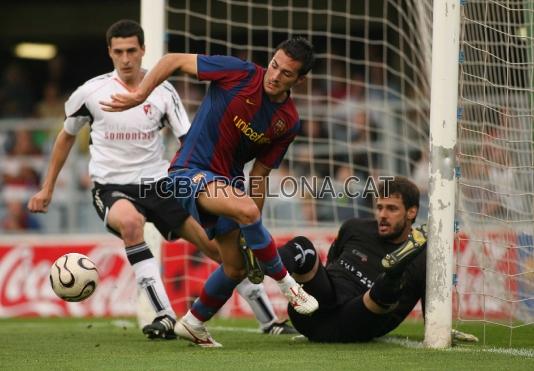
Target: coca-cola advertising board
<point>25,286</point>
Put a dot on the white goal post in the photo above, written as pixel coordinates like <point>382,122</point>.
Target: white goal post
<point>153,22</point>
<point>443,108</point>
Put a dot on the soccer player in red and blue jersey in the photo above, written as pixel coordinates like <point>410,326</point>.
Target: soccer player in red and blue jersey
<point>247,114</point>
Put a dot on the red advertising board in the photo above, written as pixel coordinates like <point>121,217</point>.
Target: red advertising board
<point>25,287</point>
<point>499,290</point>
<point>489,280</point>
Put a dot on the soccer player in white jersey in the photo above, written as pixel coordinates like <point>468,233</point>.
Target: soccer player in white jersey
<point>127,168</point>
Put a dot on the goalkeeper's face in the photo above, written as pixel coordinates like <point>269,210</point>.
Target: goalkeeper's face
<point>394,221</point>
<point>127,55</point>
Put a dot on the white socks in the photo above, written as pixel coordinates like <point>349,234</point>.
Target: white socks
<point>192,320</point>
<point>286,283</point>
<point>259,302</point>
<point>148,279</point>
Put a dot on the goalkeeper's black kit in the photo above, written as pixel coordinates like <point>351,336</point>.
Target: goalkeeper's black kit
<point>352,267</point>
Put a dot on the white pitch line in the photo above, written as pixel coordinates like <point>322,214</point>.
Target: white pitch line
<point>235,329</point>
<point>516,352</point>
<point>407,343</point>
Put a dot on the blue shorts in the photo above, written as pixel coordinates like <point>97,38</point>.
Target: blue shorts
<point>186,184</point>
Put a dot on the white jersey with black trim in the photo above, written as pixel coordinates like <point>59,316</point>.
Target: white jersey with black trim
<point>126,147</point>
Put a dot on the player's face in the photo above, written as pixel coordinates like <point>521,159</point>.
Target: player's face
<point>126,54</point>
<point>394,221</point>
<point>281,75</point>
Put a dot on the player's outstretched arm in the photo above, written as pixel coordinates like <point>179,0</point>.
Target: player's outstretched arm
<point>169,63</point>
<point>40,201</point>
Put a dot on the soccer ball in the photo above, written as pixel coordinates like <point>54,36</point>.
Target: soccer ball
<point>73,277</point>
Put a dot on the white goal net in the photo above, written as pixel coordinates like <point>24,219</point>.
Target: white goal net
<point>364,108</point>
<point>496,161</point>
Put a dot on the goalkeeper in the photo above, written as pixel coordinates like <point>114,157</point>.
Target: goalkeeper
<point>374,275</point>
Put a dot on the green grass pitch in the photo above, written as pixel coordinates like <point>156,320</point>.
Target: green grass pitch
<point>111,344</point>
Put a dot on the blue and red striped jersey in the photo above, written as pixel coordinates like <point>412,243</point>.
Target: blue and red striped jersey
<point>236,121</point>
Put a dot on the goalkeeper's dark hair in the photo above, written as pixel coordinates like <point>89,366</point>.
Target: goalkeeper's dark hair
<point>299,49</point>
<point>125,28</point>
<point>403,187</point>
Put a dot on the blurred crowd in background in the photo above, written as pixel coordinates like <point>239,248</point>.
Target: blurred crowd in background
<point>30,119</point>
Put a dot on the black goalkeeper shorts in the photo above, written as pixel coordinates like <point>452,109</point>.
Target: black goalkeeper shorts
<point>335,321</point>
<point>166,213</point>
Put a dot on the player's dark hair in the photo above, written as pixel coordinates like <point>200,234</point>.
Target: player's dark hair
<point>299,49</point>
<point>402,186</point>
<point>125,28</point>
